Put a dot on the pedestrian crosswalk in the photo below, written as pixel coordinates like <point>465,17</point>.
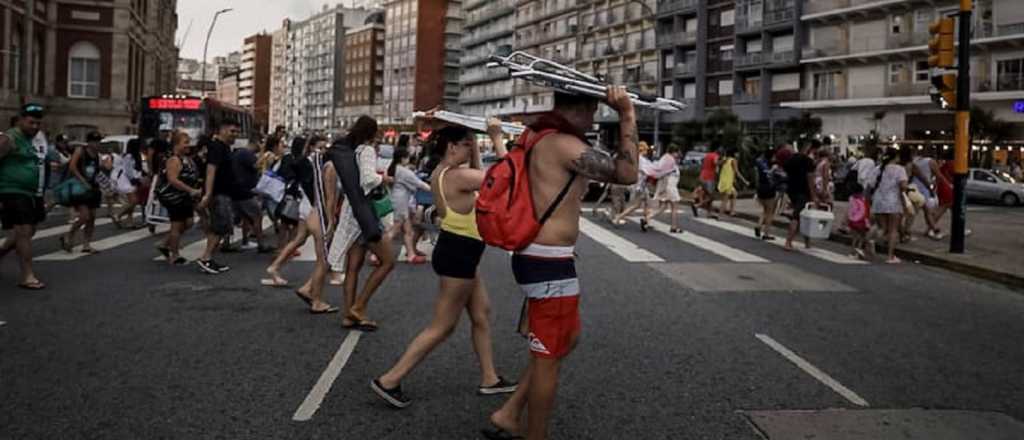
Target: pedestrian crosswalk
<point>819,253</point>
<point>624,248</point>
<point>103,245</point>
<point>722,250</point>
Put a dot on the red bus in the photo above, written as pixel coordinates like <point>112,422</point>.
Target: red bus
<point>196,116</point>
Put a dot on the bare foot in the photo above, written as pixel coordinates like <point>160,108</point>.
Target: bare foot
<point>276,277</point>
<point>500,421</point>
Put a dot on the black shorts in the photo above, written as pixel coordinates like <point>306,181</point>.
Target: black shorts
<point>456,256</point>
<point>19,209</point>
<point>91,199</point>
<point>799,202</point>
<point>181,212</point>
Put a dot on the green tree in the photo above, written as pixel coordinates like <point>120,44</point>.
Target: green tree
<point>805,126</point>
<point>985,126</point>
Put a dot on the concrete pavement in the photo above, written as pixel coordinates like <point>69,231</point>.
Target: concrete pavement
<point>701,341</point>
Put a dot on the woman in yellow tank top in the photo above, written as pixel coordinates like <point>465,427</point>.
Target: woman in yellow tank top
<point>455,260</point>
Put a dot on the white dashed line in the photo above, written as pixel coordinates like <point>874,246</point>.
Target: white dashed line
<point>728,252</point>
<point>323,385</point>
<point>821,376</point>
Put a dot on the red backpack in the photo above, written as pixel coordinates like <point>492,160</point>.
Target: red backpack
<point>505,215</point>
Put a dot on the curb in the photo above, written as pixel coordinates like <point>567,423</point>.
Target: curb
<point>1007,279</point>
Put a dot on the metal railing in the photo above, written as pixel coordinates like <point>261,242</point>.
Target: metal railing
<point>673,6</point>
<point>823,94</point>
<point>816,6</point>
<point>779,16</point>
<point>745,23</point>
<point>684,69</point>
<point>748,59</point>
<point>746,98</point>
<point>676,38</point>
<point>907,89</point>
<point>784,57</point>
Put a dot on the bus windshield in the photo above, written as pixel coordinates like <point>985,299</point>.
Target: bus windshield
<point>192,123</point>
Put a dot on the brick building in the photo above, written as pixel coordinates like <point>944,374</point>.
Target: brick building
<point>89,63</point>
<point>423,46</point>
<point>254,78</point>
<point>364,72</point>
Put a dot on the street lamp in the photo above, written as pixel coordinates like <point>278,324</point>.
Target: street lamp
<point>657,72</point>
<point>206,46</point>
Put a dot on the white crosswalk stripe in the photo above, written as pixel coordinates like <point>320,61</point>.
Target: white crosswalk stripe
<point>707,244</point>
<point>104,244</point>
<point>624,248</point>
<point>819,253</point>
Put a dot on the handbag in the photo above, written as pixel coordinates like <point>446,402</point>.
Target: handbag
<point>271,186</point>
<point>289,208</point>
<point>69,190</point>
<point>380,199</point>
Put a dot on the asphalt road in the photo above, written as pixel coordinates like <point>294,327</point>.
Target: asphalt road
<point>681,340</point>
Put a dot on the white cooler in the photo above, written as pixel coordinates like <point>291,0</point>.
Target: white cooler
<point>816,223</point>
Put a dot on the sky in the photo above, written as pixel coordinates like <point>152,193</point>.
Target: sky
<point>248,17</point>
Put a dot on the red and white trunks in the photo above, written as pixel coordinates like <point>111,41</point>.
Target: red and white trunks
<point>547,275</point>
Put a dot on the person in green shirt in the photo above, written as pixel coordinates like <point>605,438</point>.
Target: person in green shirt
<point>22,182</point>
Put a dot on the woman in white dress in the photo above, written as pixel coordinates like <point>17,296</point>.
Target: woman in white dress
<point>359,230</point>
<point>887,202</point>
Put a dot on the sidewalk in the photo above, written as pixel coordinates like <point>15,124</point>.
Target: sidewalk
<point>994,251</point>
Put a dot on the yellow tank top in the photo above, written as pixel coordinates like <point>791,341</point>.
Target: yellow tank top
<point>727,178</point>
<point>453,222</point>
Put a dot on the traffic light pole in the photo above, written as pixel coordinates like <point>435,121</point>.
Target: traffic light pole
<point>963,133</point>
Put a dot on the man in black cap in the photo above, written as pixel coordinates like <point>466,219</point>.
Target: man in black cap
<point>22,183</point>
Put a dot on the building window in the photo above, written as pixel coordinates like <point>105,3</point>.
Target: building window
<point>896,24</point>
<point>921,74</point>
<point>84,71</point>
<point>896,73</point>
<point>1010,74</point>
<point>725,87</point>
<point>728,18</point>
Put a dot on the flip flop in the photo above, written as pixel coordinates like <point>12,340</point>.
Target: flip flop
<point>165,251</point>
<point>496,433</point>
<point>89,250</point>
<point>304,298</point>
<point>38,285</point>
<point>366,326</point>
<point>326,311</point>
<point>270,282</point>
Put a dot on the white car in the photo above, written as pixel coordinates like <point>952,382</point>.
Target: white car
<point>994,186</point>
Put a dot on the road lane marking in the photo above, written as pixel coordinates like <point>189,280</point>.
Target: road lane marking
<point>323,385</point>
<point>821,376</point>
<point>624,248</point>
<point>819,253</point>
<point>707,244</point>
<point>105,244</point>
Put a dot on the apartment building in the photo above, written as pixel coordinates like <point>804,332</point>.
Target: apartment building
<point>364,72</point>
<point>488,25</point>
<point>545,28</point>
<point>866,66</point>
<point>314,63</point>
<point>278,76</point>
<point>737,55</point>
<point>423,46</point>
<point>617,42</point>
<point>89,63</point>
<point>254,78</point>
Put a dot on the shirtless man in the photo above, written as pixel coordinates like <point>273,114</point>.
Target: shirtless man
<point>545,270</point>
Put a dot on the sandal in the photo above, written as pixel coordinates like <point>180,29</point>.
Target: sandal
<point>327,311</point>
<point>89,250</point>
<point>496,433</point>
<point>34,285</point>
<point>304,298</point>
<point>274,282</point>
<point>165,251</point>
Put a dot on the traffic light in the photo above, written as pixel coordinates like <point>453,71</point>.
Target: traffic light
<point>941,56</point>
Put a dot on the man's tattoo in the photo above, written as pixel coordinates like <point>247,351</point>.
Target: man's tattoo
<point>595,164</point>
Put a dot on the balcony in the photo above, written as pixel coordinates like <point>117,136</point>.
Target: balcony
<point>667,7</point>
<point>667,40</point>
<point>685,69</point>
<point>483,15</point>
<point>842,10</point>
<point>783,57</point>
<point>745,24</point>
<point>908,39</point>
<point>907,89</point>
<point>749,59</point>
<point>823,94</point>
<point>746,98</point>
<point>778,16</point>
<point>719,65</point>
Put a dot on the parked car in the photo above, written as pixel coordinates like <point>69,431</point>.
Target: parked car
<point>693,160</point>
<point>994,186</point>
<point>116,144</point>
